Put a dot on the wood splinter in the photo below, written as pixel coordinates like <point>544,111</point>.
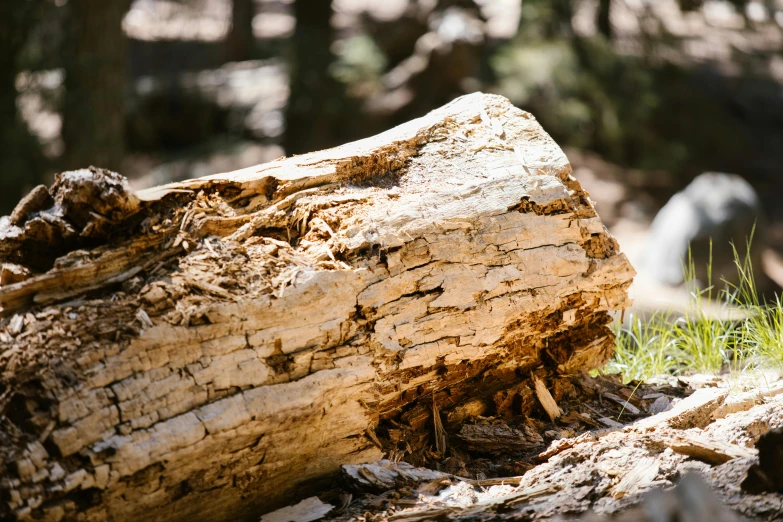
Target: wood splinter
<point>546,399</point>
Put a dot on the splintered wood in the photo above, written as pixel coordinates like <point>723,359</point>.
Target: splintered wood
<point>206,349</point>
<point>549,404</point>
<point>649,470</point>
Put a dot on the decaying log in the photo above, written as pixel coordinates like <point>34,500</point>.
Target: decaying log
<point>207,349</point>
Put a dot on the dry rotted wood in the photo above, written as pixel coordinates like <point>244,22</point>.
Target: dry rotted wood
<point>497,438</point>
<point>205,349</point>
<point>647,470</point>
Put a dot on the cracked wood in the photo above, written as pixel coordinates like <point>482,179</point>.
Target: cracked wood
<point>236,338</point>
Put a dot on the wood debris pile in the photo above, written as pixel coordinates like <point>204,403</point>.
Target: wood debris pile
<point>706,441</point>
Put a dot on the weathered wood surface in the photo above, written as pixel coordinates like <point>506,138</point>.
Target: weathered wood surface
<point>203,350</point>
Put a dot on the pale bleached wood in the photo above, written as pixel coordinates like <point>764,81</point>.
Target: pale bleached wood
<point>271,319</point>
<point>546,400</point>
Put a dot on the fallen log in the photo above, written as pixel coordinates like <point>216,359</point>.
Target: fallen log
<point>210,349</point>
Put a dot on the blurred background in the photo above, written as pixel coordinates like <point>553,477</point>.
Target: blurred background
<point>643,95</point>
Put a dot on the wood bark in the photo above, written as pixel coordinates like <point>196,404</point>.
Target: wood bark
<point>211,348</point>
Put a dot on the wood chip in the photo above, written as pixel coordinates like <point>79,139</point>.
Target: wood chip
<point>627,406</point>
<point>546,400</point>
<point>531,493</point>
<point>497,438</point>
<point>660,405</point>
<point>308,510</point>
<point>610,423</point>
<point>637,480</point>
<point>559,446</point>
<point>693,411</point>
<point>485,119</point>
<point>501,481</point>
<point>440,433</point>
<point>374,438</point>
<point>16,325</point>
<point>206,287</point>
<point>745,401</point>
<point>144,318</point>
<point>707,450</point>
<point>37,199</point>
<point>385,475</point>
<point>420,515</point>
<point>11,273</point>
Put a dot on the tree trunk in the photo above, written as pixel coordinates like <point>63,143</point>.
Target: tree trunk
<point>95,77</point>
<point>603,18</point>
<point>206,349</point>
<point>562,18</point>
<point>313,115</point>
<point>241,40</point>
<point>21,161</point>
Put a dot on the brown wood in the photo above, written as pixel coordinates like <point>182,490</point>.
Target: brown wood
<point>207,349</point>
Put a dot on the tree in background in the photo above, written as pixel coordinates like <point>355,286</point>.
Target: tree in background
<point>315,114</point>
<point>563,11</point>
<point>95,80</point>
<point>689,5</point>
<point>603,18</point>
<point>445,62</point>
<point>241,41</point>
<point>21,161</point>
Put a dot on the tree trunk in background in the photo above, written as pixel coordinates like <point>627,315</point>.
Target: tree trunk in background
<point>234,339</point>
<point>313,113</point>
<point>16,21</point>
<point>21,161</point>
<point>603,18</point>
<point>240,42</point>
<point>95,78</point>
<point>687,6</point>
<point>563,14</point>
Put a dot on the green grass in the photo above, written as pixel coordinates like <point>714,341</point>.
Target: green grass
<point>699,340</point>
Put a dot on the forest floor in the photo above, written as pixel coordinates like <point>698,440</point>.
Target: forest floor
<point>611,446</point>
